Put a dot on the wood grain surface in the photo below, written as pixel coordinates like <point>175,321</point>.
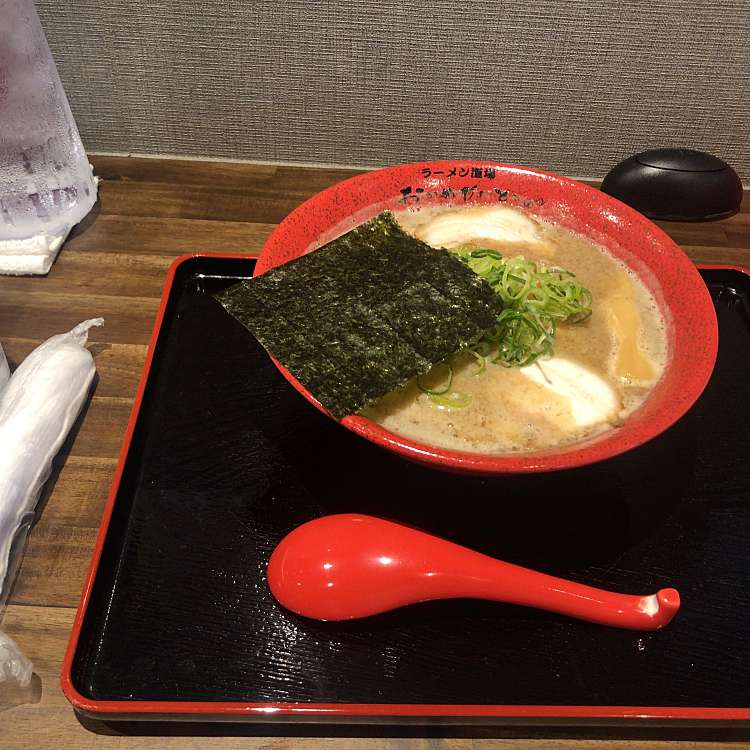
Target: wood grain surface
<point>114,265</point>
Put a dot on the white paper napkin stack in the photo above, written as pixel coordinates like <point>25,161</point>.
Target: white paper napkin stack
<point>33,256</point>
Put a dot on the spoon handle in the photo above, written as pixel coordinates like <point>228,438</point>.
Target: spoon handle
<point>495,580</point>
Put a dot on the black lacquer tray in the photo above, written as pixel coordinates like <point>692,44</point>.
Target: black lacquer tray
<point>223,458</point>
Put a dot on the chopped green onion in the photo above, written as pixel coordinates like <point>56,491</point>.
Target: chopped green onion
<point>536,298</point>
<point>486,253</point>
<point>453,400</point>
<point>437,391</point>
<point>481,359</point>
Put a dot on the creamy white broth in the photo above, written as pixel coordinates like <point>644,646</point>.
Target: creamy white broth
<point>602,369</point>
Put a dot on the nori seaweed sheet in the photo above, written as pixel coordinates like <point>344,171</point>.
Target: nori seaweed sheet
<point>362,315</point>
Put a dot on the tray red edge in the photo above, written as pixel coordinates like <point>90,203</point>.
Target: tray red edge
<point>125,709</point>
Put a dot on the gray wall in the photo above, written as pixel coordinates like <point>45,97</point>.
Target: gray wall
<point>568,86</point>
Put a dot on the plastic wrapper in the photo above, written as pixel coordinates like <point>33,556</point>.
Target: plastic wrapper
<point>13,664</point>
<point>4,370</point>
<point>39,403</point>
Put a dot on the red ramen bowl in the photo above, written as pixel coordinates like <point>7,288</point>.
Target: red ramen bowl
<point>666,271</point>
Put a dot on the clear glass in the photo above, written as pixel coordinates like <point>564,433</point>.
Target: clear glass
<point>46,183</point>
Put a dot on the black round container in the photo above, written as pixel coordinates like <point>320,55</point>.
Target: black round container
<point>676,184</point>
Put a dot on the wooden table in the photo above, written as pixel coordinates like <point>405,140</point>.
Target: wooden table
<point>114,266</point>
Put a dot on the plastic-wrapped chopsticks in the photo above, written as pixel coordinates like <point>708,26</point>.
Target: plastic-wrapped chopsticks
<point>39,403</point>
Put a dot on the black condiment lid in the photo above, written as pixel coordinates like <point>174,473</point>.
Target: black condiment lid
<point>681,159</point>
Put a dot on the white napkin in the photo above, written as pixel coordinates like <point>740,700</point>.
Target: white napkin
<point>34,255</point>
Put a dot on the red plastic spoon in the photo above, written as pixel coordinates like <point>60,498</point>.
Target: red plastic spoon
<point>346,566</point>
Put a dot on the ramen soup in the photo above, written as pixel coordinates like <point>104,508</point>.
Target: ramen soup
<point>600,371</point>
